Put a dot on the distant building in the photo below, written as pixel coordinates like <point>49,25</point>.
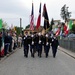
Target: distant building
<point>56,22</point>
<point>73,20</point>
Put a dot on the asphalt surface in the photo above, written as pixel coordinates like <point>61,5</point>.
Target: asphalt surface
<point>17,64</point>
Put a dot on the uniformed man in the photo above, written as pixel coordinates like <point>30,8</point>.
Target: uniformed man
<point>32,45</point>
<point>54,45</point>
<point>47,41</point>
<point>40,42</point>
<point>36,39</point>
<point>26,46</point>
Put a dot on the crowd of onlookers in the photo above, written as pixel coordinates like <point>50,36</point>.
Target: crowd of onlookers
<point>11,42</point>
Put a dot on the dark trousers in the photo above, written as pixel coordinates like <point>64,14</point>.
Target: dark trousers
<point>39,50</point>
<point>10,47</point>
<point>32,50</point>
<point>15,46</point>
<point>26,50</point>
<point>46,49</point>
<point>36,47</point>
<point>6,48</point>
<point>54,50</point>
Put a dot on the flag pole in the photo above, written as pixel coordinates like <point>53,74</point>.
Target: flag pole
<point>33,15</point>
<point>46,29</point>
<point>33,18</point>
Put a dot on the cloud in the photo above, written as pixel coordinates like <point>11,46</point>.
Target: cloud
<point>22,8</point>
<point>13,8</point>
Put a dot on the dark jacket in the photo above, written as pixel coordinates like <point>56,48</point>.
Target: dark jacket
<point>54,42</point>
<point>0,42</point>
<point>25,40</point>
<point>6,39</point>
<point>32,39</point>
<point>40,38</point>
<point>46,40</point>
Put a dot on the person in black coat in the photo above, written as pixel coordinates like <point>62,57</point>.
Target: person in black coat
<point>6,44</point>
<point>32,45</point>
<point>26,46</point>
<point>10,42</point>
<point>0,43</point>
<point>40,43</point>
<point>47,41</point>
<point>54,45</point>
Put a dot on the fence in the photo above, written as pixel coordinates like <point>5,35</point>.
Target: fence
<point>67,44</point>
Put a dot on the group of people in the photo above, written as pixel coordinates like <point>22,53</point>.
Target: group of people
<point>36,42</point>
<point>11,42</point>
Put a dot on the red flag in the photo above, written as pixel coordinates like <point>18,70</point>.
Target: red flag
<point>32,19</point>
<point>69,27</point>
<point>66,31</point>
<point>57,32</point>
<point>39,18</point>
<point>65,28</point>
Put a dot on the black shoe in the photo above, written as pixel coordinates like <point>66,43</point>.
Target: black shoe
<point>54,56</point>
<point>46,56</point>
<point>33,56</point>
<point>26,56</point>
<point>38,54</point>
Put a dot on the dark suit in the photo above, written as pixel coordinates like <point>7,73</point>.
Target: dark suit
<point>40,42</point>
<point>6,44</point>
<point>54,45</point>
<point>47,41</point>
<point>32,45</point>
<point>26,46</point>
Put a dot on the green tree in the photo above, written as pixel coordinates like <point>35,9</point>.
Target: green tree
<point>18,29</point>
<point>27,26</point>
<point>65,14</point>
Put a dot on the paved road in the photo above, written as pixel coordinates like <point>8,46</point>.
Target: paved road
<point>17,64</point>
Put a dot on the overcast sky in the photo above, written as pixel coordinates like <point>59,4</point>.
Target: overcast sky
<point>12,10</point>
